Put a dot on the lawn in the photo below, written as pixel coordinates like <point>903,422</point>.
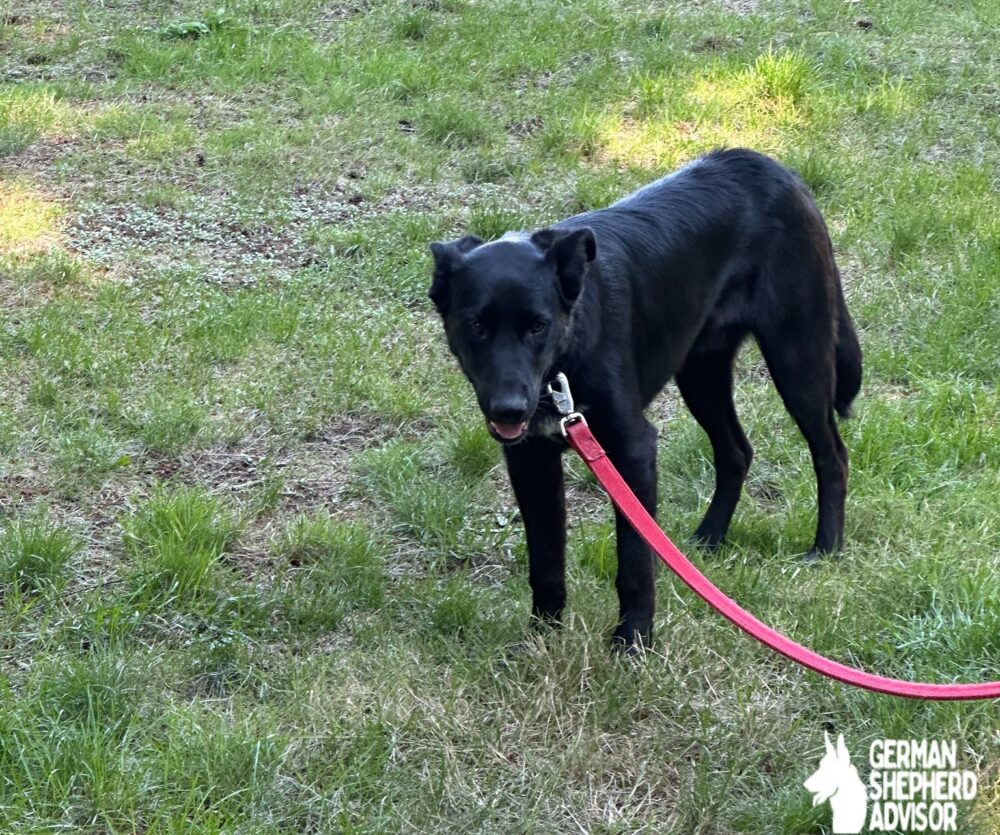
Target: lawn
<point>260,569</point>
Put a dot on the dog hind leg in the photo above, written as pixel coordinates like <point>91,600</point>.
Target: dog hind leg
<point>802,364</point>
<point>706,384</point>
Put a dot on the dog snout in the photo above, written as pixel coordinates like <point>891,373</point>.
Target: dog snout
<point>510,409</point>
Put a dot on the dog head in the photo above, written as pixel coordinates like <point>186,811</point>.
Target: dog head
<point>506,309</point>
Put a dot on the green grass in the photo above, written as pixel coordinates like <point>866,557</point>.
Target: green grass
<point>260,569</point>
<point>176,540</point>
<point>34,554</point>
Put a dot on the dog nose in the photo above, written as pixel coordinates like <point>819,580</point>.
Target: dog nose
<point>509,410</point>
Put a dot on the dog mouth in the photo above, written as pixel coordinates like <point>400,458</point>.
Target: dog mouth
<point>508,433</point>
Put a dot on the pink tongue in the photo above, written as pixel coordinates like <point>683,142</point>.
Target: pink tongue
<point>508,431</point>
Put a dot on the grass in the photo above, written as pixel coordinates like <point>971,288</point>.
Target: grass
<point>260,570</point>
<point>176,540</point>
<point>35,555</point>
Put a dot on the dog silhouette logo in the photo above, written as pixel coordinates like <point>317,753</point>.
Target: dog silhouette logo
<point>837,780</point>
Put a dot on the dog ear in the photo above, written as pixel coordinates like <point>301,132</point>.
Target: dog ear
<point>829,745</point>
<point>570,253</point>
<point>842,754</point>
<point>447,256</point>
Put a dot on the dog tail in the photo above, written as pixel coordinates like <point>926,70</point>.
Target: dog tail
<point>848,361</point>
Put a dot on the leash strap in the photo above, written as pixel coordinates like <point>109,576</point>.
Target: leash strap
<point>582,440</point>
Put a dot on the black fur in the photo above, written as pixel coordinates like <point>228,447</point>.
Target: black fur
<point>663,284</point>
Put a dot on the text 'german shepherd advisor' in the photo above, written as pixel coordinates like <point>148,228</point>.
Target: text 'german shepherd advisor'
<point>665,283</point>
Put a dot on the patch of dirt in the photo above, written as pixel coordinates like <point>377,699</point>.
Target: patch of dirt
<point>18,489</point>
<point>317,472</point>
<point>64,12</point>
<point>755,370</point>
<point>313,475</point>
<point>562,77</point>
<point>208,229</point>
<point>196,219</point>
<point>224,249</point>
<point>664,408</point>
<point>939,152</point>
<point>741,8</point>
<point>216,235</point>
<point>327,24</point>
<point>42,155</point>
<point>92,514</point>
<point>526,127</point>
<point>718,43</point>
<point>16,297</point>
<point>42,24</point>
<point>766,493</point>
<point>222,469</point>
<point>853,278</point>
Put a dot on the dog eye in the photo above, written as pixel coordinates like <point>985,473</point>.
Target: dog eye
<point>477,327</point>
<point>538,326</point>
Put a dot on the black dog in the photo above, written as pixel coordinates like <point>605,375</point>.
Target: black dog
<point>664,283</point>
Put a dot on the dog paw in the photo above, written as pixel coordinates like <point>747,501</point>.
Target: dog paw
<point>709,543</point>
<point>816,556</point>
<point>542,623</point>
<point>522,649</point>
<point>631,642</point>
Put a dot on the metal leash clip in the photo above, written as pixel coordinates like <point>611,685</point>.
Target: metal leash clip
<point>562,399</point>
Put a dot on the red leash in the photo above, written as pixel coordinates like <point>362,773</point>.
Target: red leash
<point>582,440</point>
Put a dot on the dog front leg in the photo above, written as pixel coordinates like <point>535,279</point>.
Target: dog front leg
<point>635,458</point>
<point>536,474</point>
